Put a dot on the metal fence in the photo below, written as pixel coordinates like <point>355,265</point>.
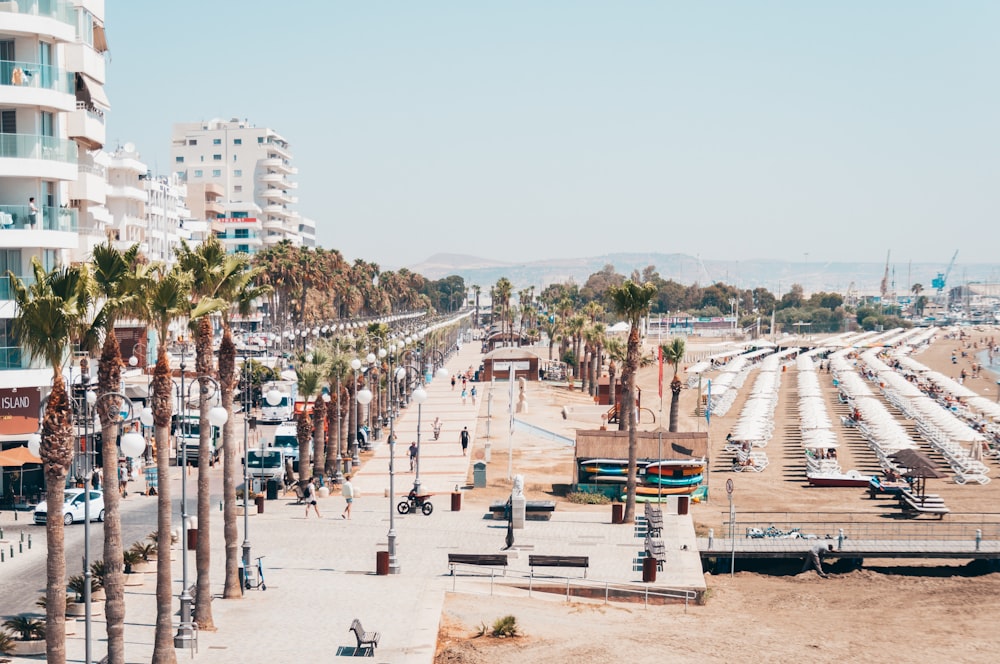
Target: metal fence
<point>858,526</point>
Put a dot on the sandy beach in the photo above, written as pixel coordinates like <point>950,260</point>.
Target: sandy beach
<point>923,610</point>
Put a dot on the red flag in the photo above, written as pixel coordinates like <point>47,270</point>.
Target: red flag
<point>659,352</point>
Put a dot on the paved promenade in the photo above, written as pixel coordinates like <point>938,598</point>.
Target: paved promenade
<point>320,573</point>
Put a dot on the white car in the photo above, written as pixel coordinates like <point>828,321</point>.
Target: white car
<point>73,505</point>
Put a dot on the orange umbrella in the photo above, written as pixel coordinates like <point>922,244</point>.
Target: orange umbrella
<point>17,456</point>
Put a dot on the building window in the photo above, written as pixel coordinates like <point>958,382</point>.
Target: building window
<point>216,141</point>
<point>197,173</point>
<point>216,157</point>
<point>179,160</point>
<point>260,140</point>
<point>243,248</point>
<point>238,188</point>
<point>192,141</point>
<point>216,173</point>
<point>242,233</point>
<point>238,173</point>
<point>237,141</point>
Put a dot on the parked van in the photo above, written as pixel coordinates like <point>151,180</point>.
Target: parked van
<point>286,439</point>
<point>285,409</point>
<point>187,430</point>
<point>266,464</point>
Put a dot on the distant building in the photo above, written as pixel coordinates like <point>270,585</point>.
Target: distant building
<point>234,167</point>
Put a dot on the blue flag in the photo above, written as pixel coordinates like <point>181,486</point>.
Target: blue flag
<point>708,404</point>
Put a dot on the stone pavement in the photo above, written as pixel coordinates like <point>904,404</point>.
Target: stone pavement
<point>320,573</point>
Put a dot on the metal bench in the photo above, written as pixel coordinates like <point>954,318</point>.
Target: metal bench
<point>540,510</point>
<point>656,550</point>
<point>481,559</point>
<point>559,561</point>
<point>366,640</point>
<point>654,520</point>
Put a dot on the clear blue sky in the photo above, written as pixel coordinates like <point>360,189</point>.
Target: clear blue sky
<point>526,129</point>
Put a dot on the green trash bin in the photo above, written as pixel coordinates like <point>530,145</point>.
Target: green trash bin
<point>479,475</point>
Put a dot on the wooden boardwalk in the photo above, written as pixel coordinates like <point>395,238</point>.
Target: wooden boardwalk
<point>769,547</point>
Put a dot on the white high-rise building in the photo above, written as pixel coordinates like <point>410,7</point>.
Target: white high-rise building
<point>52,181</point>
<point>252,166</point>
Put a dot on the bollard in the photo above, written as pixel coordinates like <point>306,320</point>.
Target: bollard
<point>979,538</point>
<point>220,505</point>
<point>29,541</point>
<point>22,535</point>
<point>840,539</point>
<point>1,532</point>
<point>11,550</point>
<point>2,556</point>
<point>20,547</point>
<point>711,538</point>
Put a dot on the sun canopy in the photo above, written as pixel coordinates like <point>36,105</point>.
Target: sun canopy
<point>17,457</point>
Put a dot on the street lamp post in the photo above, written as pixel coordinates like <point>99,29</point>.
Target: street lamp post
<point>246,463</point>
<point>355,457</point>
<point>132,445</point>
<point>217,416</point>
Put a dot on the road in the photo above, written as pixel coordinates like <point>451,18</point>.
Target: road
<point>23,577</point>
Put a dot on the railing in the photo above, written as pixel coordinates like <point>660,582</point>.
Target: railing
<point>577,587</point>
<point>61,10</point>
<point>10,356</point>
<point>91,110</point>
<point>31,146</point>
<point>816,523</point>
<point>52,218</point>
<point>93,169</point>
<point>34,75</point>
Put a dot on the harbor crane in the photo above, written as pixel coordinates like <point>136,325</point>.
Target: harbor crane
<point>941,280</point>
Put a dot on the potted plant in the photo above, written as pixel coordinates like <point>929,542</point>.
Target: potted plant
<point>29,634</point>
<point>97,573</point>
<point>76,585</point>
<point>8,645</point>
<point>133,567</point>
<point>145,549</point>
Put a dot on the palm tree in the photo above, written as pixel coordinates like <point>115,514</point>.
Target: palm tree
<point>616,353</point>
<point>309,378</point>
<point>632,301</point>
<point>166,301</point>
<point>552,328</point>
<point>595,335</point>
<point>673,354</point>
<point>503,291</point>
<point>238,291</point>
<point>338,370</point>
<point>50,313</point>
<point>206,267</point>
<point>118,279</point>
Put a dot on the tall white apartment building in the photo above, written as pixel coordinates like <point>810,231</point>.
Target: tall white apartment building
<point>252,166</point>
<point>52,188</point>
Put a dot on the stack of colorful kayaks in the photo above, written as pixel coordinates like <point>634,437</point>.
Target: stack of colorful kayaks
<point>656,478</point>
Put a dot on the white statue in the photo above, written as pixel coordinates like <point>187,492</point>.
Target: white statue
<point>522,401</point>
<point>518,489</point>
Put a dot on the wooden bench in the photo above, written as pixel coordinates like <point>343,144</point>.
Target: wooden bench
<point>536,510</point>
<point>654,520</point>
<point>482,559</point>
<point>559,561</point>
<point>655,549</point>
<point>365,639</point>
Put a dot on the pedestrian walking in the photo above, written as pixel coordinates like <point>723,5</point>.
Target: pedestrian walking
<point>472,393</point>
<point>465,395</point>
<point>122,479</point>
<point>465,439</point>
<point>347,491</point>
<point>309,494</point>
<point>453,383</point>
<point>413,456</point>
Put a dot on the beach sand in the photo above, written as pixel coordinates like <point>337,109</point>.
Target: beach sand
<point>916,610</point>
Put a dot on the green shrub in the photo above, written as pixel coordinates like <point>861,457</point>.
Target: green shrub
<point>7,644</point>
<point>587,498</point>
<point>505,627</point>
<point>27,629</point>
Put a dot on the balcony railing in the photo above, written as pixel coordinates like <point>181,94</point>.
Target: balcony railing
<point>31,146</point>
<point>61,10</point>
<point>52,218</point>
<point>34,75</point>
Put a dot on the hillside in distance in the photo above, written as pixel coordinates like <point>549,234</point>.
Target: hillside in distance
<point>775,275</point>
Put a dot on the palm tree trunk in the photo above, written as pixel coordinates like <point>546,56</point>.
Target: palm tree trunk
<point>163,645</point>
<point>227,381</point>
<point>632,366</point>
<point>56,453</point>
<point>352,416</point>
<point>203,552</point>
<point>303,431</point>
<point>319,436</point>
<point>675,394</point>
<point>109,380</point>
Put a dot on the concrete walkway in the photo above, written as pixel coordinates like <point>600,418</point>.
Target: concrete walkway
<point>320,573</point>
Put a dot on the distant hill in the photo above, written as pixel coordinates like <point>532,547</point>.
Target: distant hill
<point>775,275</point>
